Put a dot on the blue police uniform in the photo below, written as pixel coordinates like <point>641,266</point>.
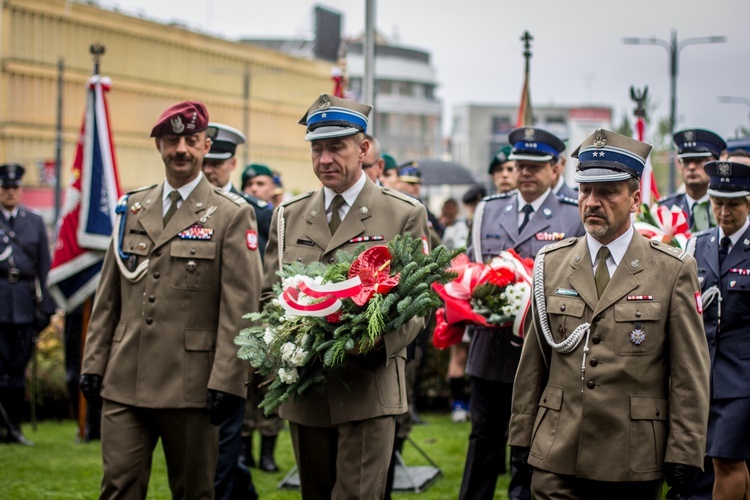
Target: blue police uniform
<point>725,285</point>
<point>494,352</point>
<point>24,264</point>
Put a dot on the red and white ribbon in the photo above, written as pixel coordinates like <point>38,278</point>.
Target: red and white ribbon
<point>330,293</point>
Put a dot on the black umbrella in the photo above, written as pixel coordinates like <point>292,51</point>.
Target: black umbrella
<point>438,172</point>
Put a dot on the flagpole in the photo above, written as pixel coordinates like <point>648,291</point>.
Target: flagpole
<point>59,139</point>
<point>525,114</point>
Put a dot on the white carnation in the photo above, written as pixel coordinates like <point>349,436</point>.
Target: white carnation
<point>269,335</point>
<point>288,376</point>
<point>287,351</point>
<point>298,356</point>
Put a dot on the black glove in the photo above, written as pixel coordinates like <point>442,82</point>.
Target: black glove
<point>222,406</point>
<point>679,478</point>
<point>42,321</point>
<point>519,458</point>
<point>91,386</point>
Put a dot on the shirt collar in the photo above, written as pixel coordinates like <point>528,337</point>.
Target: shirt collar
<point>617,248</point>
<point>536,204</point>
<point>735,237</point>
<point>350,195</point>
<point>692,202</point>
<point>184,190</point>
<point>228,187</point>
<point>7,214</point>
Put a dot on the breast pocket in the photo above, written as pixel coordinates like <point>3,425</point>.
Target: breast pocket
<point>636,326</point>
<point>547,421</point>
<point>298,252</point>
<point>193,264</point>
<point>565,313</point>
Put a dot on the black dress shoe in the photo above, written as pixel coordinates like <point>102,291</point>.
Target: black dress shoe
<point>15,436</point>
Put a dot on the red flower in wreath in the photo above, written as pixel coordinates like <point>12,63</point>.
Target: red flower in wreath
<point>373,266</point>
<point>501,277</point>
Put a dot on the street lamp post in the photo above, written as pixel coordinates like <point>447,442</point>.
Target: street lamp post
<point>728,99</point>
<point>673,48</point>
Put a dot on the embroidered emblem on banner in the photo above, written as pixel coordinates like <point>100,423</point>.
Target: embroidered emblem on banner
<point>197,232</point>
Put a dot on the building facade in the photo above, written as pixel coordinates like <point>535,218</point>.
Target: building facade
<point>152,66</point>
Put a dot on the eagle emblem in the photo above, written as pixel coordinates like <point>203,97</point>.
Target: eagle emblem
<point>528,134</point>
<point>177,126</point>
<point>725,169</point>
<point>599,139</point>
<point>690,135</point>
<point>325,102</point>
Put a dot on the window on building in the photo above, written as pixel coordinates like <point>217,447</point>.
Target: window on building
<point>501,124</point>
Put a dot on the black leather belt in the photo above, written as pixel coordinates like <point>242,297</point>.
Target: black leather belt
<point>14,275</point>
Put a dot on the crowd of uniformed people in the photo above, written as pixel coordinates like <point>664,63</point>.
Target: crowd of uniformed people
<point>635,361</point>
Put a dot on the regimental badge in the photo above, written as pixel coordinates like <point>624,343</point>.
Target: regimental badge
<point>251,238</point>
<point>136,207</point>
<point>690,135</point>
<point>177,126</point>
<point>529,134</point>
<point>208,214</point>
<point>325,102</point>
<point>599,140</point>
<point>196,232</point>
<point>634,263</point>
<point>732,283</point>
<point>637,336</point>
<point>566,291</point>
<point>725,168</point>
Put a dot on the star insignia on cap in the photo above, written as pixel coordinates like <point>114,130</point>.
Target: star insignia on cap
<point>324,115</point>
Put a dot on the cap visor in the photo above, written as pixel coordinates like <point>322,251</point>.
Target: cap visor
<point>515,156</point>
<point>728,194</point>
<point>330,132</point>
<point>218,156</point>
<point>600,175</point>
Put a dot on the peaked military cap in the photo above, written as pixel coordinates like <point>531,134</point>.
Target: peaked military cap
<point>410,172</point>
<point>224,141</point>
<point>607,156</point>
<point>501,156</point>
<point>390,162</point>
<point>11,174</point>
<point>474,194</point>
<point>728,179</point>
<point>698,143</point>
<point>534,144</point>
<point>184,118</point>
<point>331,116</point>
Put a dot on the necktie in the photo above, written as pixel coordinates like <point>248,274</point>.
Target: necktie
<point>699,214</point>
<point>723,249</point>
<point>336,204</point>
<point>175,197</point>
<point>602,273</point>
<point>527,209</point>
<point>11,220</point>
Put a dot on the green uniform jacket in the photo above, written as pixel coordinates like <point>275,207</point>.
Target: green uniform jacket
<point>371,385</point>
<point>632,407</point>
<point>163,341</point>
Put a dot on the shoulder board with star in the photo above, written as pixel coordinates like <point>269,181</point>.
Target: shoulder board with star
<point>499,196</point>
<point>675,252</point>
<point>237,199</point>
<point>401,196</point>
<point>556,246</point>
<point>568,201</point>
<point>297,198</point>
<point>701,234</point>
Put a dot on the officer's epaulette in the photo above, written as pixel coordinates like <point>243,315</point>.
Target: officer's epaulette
<point>556,246</point>
<point>142,188</point>
<point>703,233</point>
<point>567,201</point>
<point>675,252</point>
<point>499,196</point>
<point>237,199</point>
<point>669,197</point>
<point>297,198</point>
<point>401,196</point>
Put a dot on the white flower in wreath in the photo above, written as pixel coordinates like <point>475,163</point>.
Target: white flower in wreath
<point>269,335</point>
<point>298,356</point>
<point>288,376</point>
<point>287,351</point>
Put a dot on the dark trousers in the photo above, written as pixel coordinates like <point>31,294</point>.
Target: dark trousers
<point>16,342</point>
<point>233,479</point>
<point>348,461</point>
<point>485,458</point>
<point>548,486</point>
<point>129,435</point>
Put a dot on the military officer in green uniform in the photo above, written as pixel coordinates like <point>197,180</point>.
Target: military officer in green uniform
<point>611,392</point>
<point>342,435</point>
<point>183,268</point>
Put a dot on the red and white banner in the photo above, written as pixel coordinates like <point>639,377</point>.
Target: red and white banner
<point>88,213</point>
<point>649,189</point>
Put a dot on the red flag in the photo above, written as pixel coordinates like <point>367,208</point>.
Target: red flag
<point>88,214</point>
<point>649,189</point>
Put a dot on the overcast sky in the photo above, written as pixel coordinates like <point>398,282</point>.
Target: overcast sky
<point>578,54</point>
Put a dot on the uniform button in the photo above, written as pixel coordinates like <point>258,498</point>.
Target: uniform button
<point>657,413</point>
<point>299,259</point>
<point>595,339</point>
<point>638,314</point>
<point>597,318</point>
<point>158,253</point>
<point>562,307</point>
<point>545,400</point>
<point>156,275</point>
<point>331,260</point>
<point>149,320</point>
<point>151,298</point>
<point>192,251</point>
<point>594,362</point>
<point>590,384</point>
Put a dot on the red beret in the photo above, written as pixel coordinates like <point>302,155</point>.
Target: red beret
<point>185,118</point>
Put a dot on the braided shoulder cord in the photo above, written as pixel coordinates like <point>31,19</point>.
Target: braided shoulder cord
<point>140,271</point>
<point>281,237</point>
<point>570,343</point>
